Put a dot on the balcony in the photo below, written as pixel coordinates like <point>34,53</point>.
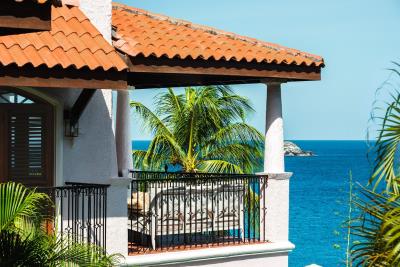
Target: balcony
<point>80,212</point>
<point>182,211</point>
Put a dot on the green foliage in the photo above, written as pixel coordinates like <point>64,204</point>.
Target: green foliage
<point>20,208</point>
<point>25,240</point>
<point>378,229</point>
<point>377,225</point>
<point>386,163</point>
<point>201,130</point>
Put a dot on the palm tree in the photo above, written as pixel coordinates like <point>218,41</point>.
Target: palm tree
<point>386,167</point>
<point>377,229</point>
<point>26,241</point>
<point>202,130</point>
<point>378,225</point>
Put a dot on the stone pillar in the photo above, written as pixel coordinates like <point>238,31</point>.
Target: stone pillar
<point>275,208</point>
<point>122,134</point>
<point>117,206</point>
<point>274,199</point>
<point>117,216</point>
<point>274,155</point>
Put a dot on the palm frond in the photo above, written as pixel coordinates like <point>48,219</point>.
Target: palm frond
<point>169,107</point>
<point>378,228</point>
<point>244,155</point>
<point>151,121</point>
<point>218,166</point>
<point>69,253</point>
<point>23,241</point>
<point>194,127</point>
<point>386,147</point>
<point>236,132</point>
<point>20,207</point>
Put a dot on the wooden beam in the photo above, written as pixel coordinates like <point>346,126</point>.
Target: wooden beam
<point>163,80</point>
<point>62,78</point>
<point>30,23</point>
<point>79,106</point>
<point>26,15</point>
<point>242,71</point>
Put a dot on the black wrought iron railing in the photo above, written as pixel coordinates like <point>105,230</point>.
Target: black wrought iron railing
<point>80,212</point>
<point>169,211</point>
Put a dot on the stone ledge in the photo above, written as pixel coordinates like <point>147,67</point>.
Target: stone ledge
<point>120,181</point>
<point>277,176</point>
<point>180,257</point>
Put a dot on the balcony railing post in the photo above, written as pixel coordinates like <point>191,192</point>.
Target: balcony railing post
<point>274,208</point>
<point>117,207</point>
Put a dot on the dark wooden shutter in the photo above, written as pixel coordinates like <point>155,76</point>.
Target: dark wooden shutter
<point>28,146</point>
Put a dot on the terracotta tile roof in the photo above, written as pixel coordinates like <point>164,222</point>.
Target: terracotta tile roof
<point>35,1</point>
<point>139,32</point>
<point>54,2</point>
<point>73,42</point>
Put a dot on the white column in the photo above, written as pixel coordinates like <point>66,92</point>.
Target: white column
<point>117,207</point>
<point>274,199</point>
<point>122,133</point>
<point>274,155</point>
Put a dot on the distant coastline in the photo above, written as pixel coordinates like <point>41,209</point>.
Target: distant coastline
<point>293,150</point>
<point>290,147</point>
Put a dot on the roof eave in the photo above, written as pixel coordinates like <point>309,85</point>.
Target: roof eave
<point>148,72</point>
<point>29,76</point>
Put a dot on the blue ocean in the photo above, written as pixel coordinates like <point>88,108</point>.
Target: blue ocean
<point>319,198</point>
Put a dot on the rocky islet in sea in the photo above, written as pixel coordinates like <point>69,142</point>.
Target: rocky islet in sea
<point>291,149</point>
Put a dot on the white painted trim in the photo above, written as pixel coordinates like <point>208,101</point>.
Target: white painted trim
<point>208,254</point>
<point>58,132</point>
<point>277,176</point>
<point>120,181</point>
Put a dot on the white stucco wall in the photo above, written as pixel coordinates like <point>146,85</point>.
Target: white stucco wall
<point>91,157</point>
<point>96,148</point>
<point>277,204</point>
<point>254,255</point>
<point>99,12</point>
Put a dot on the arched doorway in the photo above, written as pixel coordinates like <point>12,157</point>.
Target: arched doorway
<point>26,138</point>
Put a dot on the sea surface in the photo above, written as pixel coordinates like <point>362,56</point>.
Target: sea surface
<point>319,198</point>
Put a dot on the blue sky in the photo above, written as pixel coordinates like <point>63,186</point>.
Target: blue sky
<point>358,39</point>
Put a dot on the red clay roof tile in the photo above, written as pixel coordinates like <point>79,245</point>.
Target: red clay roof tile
<point>139,32</point>
<point>72,42</point>
<point>54,2</point>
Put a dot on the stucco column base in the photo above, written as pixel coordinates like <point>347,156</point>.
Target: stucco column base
<point>277,207</point>
<point>117,216</point>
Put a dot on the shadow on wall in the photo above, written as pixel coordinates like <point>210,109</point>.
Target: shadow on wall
<point>90,157</point>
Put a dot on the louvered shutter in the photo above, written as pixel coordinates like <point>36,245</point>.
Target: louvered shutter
<point>26,148</point>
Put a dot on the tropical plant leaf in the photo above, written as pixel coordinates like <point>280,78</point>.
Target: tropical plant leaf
<point>24,242</point>
<point>202,129</point>
<point>386,166</point>
<point>20,208</point>
<point>378,228</point>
